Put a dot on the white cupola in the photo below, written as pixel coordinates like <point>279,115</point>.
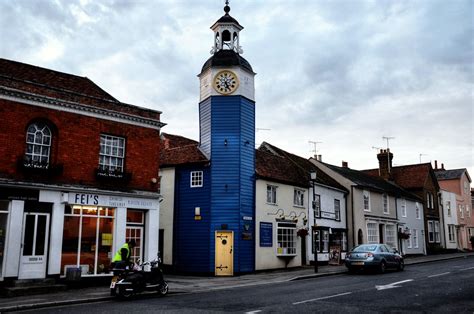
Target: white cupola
<point>226,33</point>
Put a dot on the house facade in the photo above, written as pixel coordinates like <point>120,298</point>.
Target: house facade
<point>448,201</point>
<point>372,207</point>
<point>420,180</point>
<point>78,174</point>
<point>287,231</point>
<point>458,181</point>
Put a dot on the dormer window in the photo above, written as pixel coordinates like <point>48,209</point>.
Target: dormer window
<point>38,145</point>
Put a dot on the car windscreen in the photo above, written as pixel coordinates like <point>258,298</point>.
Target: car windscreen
<point>365,248</point>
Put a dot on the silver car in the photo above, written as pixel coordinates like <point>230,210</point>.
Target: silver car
<point>374,256</point>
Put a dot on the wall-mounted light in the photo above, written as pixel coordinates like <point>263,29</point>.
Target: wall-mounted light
<point>225,142</point>
<point>197,213</point>
<point>154,180</point>
<point>246,143</point>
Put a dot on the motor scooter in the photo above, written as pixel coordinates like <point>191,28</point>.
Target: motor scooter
<point>147,276</point>
<point>119,270</point>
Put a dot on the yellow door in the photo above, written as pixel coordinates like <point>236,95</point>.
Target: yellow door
<point>224,253</point>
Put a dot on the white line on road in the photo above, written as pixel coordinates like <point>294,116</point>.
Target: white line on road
<point>392,285</point>
<point>256,311</point>
<point>467,268</point>
<point>442,274</point>
<point>323,298</point>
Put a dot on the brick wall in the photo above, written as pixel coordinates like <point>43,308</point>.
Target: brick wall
<point>75,146</point>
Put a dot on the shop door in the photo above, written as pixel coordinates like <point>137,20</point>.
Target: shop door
<point>34,245</point>
<point>224,253</point>
<point>136,233</point>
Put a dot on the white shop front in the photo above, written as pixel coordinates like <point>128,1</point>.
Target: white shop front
<point>57,230</point>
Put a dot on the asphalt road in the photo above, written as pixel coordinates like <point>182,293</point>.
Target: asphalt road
<point>443,287</point>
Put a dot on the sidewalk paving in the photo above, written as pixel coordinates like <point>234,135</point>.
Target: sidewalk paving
<point>188,284</point>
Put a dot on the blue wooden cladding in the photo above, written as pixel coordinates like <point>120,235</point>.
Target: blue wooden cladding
<point>227,138</point>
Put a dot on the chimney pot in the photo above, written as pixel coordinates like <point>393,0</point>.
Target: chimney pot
<point>345,164</point>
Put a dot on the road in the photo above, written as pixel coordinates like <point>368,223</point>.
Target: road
<point>443,287</point>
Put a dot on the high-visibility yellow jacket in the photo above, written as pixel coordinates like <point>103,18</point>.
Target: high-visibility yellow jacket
<point>118,255</point>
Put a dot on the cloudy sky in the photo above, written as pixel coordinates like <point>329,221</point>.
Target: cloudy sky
<point>345,73</point>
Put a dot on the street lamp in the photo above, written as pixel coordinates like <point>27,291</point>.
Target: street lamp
<point>313,184</point>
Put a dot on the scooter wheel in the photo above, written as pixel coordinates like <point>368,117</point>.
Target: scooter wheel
<point>124,294</point>
<point>163,288</point>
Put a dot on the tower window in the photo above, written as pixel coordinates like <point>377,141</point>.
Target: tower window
<point>196,179</point>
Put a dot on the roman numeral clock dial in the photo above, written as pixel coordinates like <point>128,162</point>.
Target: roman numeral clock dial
<point>226,82</point>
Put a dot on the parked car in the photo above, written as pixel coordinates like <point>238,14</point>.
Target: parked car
<point>374,256</point>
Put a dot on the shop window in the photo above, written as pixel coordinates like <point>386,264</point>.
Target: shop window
<point>390,235</point>
<point>112,153</point>
<point>87,239</point>
<point>38,145</point>
<point>372,235</point>
<point>325,240</point>
<point>286,239</point>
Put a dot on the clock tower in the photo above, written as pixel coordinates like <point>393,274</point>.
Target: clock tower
<point>227,138</point>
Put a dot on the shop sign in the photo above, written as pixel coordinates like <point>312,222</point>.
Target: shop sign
<point>111,201</point>
<point>266,234</point>
<point>19,194</point>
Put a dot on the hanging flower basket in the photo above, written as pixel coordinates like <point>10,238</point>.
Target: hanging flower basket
<point>302,232</point>
<point>403,235</point>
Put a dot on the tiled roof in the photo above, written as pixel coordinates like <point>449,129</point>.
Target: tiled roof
<point>276,164</point>
<point>409,177</point>
<point>366,179</point>
<point>22,77</point>
<point>442,174</point>
<point>177,150</point>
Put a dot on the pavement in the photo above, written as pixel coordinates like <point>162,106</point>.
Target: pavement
<point>193,284</point>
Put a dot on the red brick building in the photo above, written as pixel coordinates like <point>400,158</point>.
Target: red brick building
<point>78,174</point>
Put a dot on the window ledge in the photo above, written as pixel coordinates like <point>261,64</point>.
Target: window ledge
<point>36,169</point>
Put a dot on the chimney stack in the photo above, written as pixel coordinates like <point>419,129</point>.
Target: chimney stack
<point>319,158</point>
<point>345,164</point>
<point>385,163</point>
<point>436,165</point>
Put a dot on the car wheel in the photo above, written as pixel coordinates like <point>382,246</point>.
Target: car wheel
<point>382,267</point>
<point>401,265</point>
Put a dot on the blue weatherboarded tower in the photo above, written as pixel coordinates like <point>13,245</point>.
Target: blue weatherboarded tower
<point>227,139</point>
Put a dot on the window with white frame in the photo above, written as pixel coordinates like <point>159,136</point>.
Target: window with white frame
<point>430,231</point>
<point>316,207</point>
<point>372,233</point>
<point>38,145</point>
<point>404,207</point>
<point>325,240</point>
<point>298,198</point>
<point>461,211</point>
<point>436,230</point>
<point>415,238</point>
<point>390,235</point>
<point>112,153</point>
<point>286,239</point>
<point>337,209</point>
<point>451,233</point>
<point>271,194</point>
<point>468,211</point>
<point>448,208</point>
<point>409,240</point>
<point>429,200</point>
<point>366,195</point>
<point>385,203</point>
<point>196,180</point>
<point>417,211</point>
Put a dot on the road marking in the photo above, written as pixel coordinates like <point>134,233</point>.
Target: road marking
<point>256,311</point>
<point>322,298</point>
<point>392,285</point>
<point>467,268</point>
<point>442,274</point>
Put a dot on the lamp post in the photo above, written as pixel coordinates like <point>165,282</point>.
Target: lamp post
<point>313,184</point>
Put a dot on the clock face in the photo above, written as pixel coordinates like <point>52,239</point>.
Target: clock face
<point>225,82</point>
